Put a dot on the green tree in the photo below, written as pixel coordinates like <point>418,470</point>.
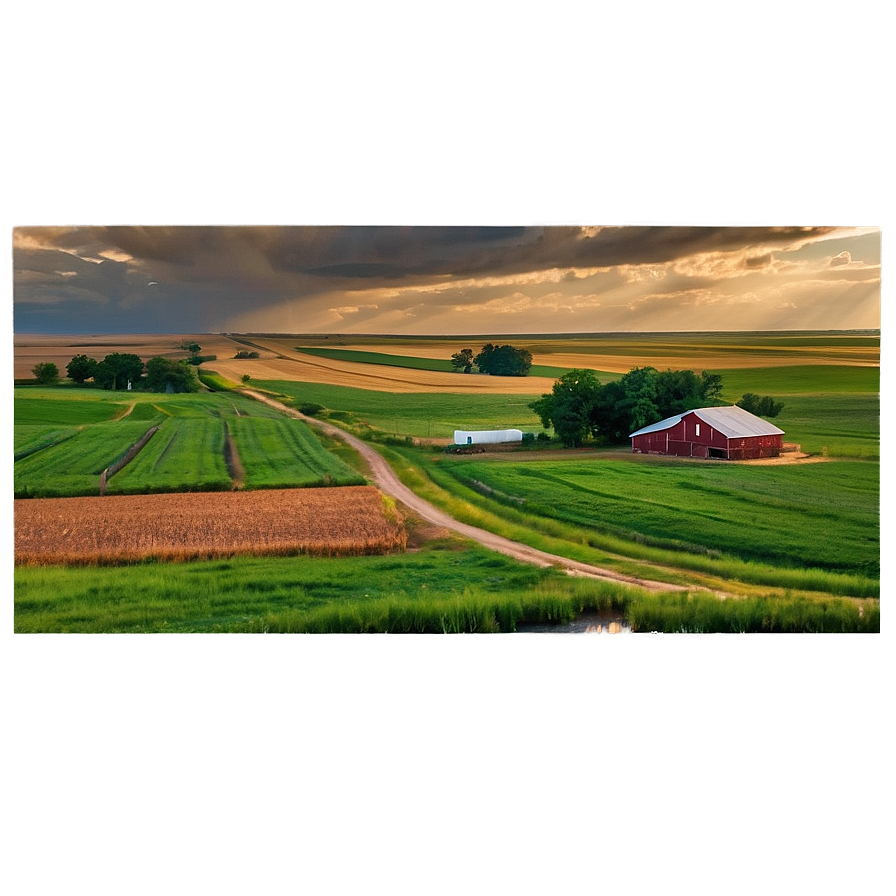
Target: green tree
<point>115,371</point>
<point>569,406</point>
<point>463,360</point>
<point>45,373</point>
<point>503,360</point>
<point>165,375</point>
<point>764,406</point>
<point>194,348</point>
<point>80,368</point>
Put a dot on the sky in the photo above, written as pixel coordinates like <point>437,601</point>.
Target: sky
<point>444,280</point>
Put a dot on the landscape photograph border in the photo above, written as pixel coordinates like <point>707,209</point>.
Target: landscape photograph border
<point>747,150</point>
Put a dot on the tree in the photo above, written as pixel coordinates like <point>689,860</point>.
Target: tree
<point>463,360</point>
<point>165,375</point>
<point>503,360</point>
<point>80,368</point>
<point>115,371</point>
<point>569,406</point>
<point>194,348</point>
<point>765,406</point>
<point>45,373</point>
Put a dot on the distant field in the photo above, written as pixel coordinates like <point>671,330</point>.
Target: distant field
<point>422,415</point>
<point>412,363</point>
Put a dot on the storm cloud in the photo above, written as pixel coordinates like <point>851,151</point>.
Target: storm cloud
<point>406,279</point>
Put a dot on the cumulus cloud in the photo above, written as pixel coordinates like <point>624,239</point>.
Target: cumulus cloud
<point>841,259</point>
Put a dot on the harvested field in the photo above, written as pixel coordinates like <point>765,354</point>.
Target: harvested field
<point>120,529</point>
<point>311,369</point>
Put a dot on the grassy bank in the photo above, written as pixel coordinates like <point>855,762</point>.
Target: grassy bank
<point>449,586</point>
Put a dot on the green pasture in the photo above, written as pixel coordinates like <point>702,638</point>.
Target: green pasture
<point>417,414</point>
<point>799,379</point>
<point>823,515</point>
<point>284,453</point>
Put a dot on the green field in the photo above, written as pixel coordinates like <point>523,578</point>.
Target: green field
<point>417,414</point>
<point>779,515</point>
<point>185,454</point>
<point>284,453</point>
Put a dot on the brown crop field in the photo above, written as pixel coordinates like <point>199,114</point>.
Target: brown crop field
<point>326,522</point>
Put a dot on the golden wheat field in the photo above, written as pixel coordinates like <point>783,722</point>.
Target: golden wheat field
<point>328,521</point>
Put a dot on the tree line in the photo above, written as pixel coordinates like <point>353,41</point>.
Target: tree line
<point>580,407</point>
<point>121,370</point>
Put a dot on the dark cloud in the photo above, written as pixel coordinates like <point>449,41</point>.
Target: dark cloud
<point>205,275</point>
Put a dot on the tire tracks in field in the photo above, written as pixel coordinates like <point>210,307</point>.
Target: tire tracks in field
<point>388,482</point>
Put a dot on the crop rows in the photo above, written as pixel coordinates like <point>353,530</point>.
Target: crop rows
<point>73,466</point>
<point>279,452</point>
<point>186,453</point>
<point>121,529</point>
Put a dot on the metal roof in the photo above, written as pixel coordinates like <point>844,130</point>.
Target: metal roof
<point>731,421</point>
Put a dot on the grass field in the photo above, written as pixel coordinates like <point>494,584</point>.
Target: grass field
<point>779,515</point>
<point>64,443</point>
<point>421,415</point>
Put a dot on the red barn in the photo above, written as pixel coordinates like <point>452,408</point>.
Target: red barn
<point>729,432</point>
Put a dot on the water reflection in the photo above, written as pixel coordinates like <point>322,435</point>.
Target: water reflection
<point>586,624</point>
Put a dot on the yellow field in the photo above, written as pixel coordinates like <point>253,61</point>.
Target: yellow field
<point>324,521</point>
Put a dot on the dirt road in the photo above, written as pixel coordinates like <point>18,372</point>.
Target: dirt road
<point>387,482</point>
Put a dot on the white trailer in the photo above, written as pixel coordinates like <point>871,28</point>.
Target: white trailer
<point>487,436</point>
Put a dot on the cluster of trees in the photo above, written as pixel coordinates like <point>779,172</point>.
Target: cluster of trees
<point>579,406</point>
<point>496,360</point>
<point>118,369</point>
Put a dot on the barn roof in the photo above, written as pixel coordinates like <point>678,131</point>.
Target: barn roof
<point>732,421</point>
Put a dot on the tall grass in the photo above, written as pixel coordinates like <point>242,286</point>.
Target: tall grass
<point>434,481</point>
<point>704,613</point>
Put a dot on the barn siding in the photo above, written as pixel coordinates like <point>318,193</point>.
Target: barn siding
<point>681,440</point>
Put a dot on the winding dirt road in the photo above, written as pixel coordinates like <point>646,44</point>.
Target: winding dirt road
<point>388,483</point>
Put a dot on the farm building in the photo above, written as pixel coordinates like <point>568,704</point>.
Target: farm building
<point>729,432</point>
<point>487,436</point>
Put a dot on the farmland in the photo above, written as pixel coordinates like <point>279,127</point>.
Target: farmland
<point>760,532</point>
<point>181,527</point>
<point>64,444</point>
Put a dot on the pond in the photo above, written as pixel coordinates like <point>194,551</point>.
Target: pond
<point>586,624</point>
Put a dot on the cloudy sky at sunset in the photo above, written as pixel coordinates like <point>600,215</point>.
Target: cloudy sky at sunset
<point>443,280</point>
